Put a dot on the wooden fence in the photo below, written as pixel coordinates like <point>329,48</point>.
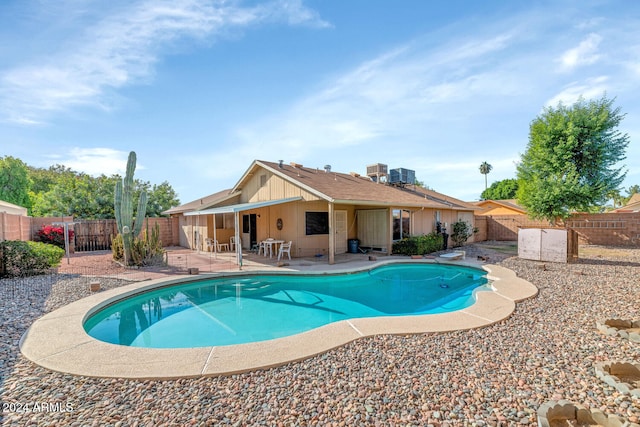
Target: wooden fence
<point>89,235</point>
<point>94,235</point>
<point>97,235</point>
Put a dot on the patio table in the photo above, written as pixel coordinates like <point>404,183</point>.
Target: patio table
<point>271,244</point>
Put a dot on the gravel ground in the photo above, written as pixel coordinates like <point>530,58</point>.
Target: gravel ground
<point>497,375</point>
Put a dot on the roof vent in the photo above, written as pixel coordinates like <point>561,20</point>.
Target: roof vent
<point>377,171</point>
<point>327,168</point>
<point>280,163</point>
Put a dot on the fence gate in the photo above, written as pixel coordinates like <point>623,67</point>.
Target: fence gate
<point>94,235</point>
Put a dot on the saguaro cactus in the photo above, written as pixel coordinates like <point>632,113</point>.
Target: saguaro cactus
<point>123,207</point>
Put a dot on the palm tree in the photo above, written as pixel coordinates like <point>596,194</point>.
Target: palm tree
<point>485,168</point>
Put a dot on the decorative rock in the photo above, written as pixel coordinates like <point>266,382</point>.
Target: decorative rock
<point>499,374</point>
<point>194,270</point>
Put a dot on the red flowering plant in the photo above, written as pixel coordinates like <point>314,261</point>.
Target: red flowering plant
<point>53,235</point>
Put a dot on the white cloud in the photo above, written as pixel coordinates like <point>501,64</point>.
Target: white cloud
<point>122,49</point>
<point>591,88</point>
<point>96,161</point>
<point>585,53</point>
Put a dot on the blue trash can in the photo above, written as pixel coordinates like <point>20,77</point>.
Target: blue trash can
<point>353,246</point>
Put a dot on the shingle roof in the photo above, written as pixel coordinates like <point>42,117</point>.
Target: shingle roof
<point>342,187</point>
<point>202,203</point>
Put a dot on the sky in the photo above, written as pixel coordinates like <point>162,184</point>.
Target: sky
<point>199,89</point>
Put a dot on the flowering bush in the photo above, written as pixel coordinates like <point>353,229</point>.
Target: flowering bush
<point>53,235</point>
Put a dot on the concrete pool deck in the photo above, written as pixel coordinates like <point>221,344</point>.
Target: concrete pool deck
<point>57,341</point>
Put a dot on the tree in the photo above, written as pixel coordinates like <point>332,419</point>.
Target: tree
<point>76,194</point>
<point>616,198</point>
<point>61,191</point>
<point>485,168</point>
<point>570,159</point>
<point>160,197</point>
<point>14,182</point>
<point>501,190</point>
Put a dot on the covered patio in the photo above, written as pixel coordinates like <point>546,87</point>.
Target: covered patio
<point>209,262</point>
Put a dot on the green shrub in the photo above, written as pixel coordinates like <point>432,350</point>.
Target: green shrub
<point>19,258</point>
<point>461,231</point>
<point>418,245</point>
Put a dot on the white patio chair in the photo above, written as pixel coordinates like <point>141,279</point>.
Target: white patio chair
<point>285,248</point>
<point>209,242</point>
<point>232,243</point>
<point>221,246</point>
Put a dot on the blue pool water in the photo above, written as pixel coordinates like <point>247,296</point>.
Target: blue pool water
<point>243,309</point>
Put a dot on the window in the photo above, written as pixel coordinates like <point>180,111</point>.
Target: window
<point>316,223</point>
<point>401,223</point>
<point>263,180</point>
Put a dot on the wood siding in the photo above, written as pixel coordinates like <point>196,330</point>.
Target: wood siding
<point>274,188</point>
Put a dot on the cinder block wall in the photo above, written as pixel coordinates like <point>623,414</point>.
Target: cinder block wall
<point>14,227</point>
<point>607,229</point>
<point>613,229</point>
<point>481,224</point>
<point>169,228</point>
<point>505,227</point>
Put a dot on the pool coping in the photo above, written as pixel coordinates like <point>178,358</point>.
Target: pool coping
<point>58,341</point>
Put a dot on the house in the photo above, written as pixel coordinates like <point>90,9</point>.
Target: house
<point>318,209</point>
<point>500,207</point>
<point>633,205</point>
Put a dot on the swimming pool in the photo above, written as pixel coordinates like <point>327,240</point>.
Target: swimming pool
<point>244,309</point>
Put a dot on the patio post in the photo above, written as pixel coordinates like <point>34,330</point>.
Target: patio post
<point>332,235</point>
<point>238,241</point>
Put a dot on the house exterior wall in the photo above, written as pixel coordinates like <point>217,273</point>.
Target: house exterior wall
<point>423,222</point>
<point>193,232</point>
